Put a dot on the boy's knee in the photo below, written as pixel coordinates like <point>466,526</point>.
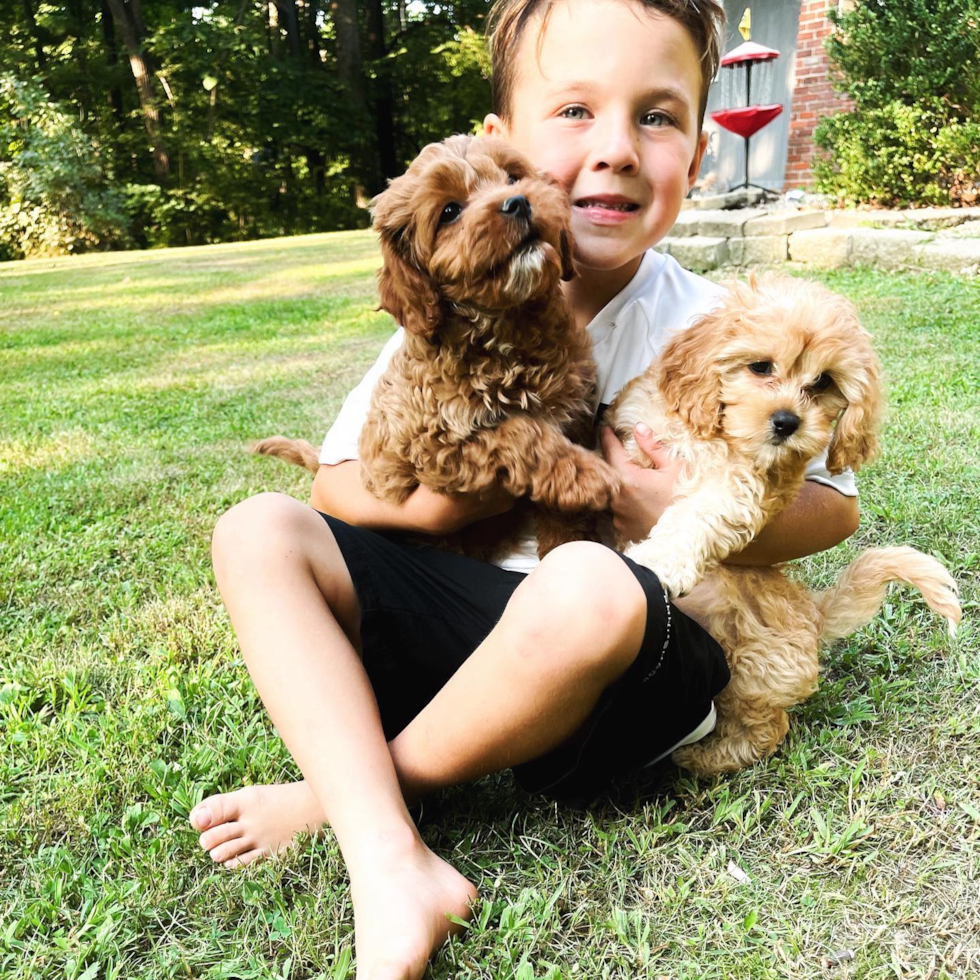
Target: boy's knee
<point>581,606</point>
<point>255,524</point>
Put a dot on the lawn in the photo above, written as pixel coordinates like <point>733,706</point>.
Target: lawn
<point>131,384</point>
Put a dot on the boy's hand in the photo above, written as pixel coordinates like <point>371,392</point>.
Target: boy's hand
<point>645,493</point>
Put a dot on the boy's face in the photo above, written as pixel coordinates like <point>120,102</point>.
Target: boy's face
<point>608,105</point>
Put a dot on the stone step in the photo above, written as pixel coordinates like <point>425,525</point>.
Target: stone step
<point>944,238</point>
<point>920,219</point>
<point>697,253</point>
<point>745,223</point>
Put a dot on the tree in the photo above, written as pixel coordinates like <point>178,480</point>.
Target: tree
<point>128,18</point>
<point>912,71</point>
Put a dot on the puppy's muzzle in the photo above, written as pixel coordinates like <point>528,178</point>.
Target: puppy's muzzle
<point>784,423</point>
<point>517,206</point>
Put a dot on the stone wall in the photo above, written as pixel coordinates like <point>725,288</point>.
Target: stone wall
<point>937,238</point>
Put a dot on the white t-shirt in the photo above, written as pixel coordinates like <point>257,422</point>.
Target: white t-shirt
<point>627,334</point>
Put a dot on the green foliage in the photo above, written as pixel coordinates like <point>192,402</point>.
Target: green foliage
<point>54,195</point>
<point>441,77</point>
<point>261,132</point>
<point>912,71</point>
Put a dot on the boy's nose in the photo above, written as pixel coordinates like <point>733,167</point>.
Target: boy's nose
<point>517,207</point>
<point>615,147</point>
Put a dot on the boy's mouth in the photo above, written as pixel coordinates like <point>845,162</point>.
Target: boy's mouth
<point>608,202</point>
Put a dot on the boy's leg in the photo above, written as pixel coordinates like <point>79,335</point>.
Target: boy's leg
<point>571,628</point>
<point>318,696</point>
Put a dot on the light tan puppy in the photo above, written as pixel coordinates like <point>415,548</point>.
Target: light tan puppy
<point>746,397</point>
<point>781,371</point>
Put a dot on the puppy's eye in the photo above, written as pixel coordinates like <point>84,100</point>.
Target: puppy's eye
<point>761,367</point>
<point>822,383</point>
<point>450,213</point>
<point>513,178</point>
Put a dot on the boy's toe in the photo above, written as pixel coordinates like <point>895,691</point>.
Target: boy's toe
<point>214,810</point>
<point>242,859</point>
<point>221,835</point>
<point>230,850</point>
<point>200,818</point>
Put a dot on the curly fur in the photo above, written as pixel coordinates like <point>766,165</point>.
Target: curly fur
<point>719,415</point>
<point>493,376</point>
<point>772,628</point>
<point>493,383</point>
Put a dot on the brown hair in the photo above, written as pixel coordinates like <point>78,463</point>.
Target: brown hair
<point>704,20</point>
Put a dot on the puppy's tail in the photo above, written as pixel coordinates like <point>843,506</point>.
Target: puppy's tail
<point>297,451</point>
<point>859,592</point>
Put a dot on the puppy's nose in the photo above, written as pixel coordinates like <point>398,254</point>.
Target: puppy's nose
<point>517,206</point>
<point>784,423</point>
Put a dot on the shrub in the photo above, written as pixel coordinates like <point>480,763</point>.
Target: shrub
<point>912,71</point>
<point>54,195</point>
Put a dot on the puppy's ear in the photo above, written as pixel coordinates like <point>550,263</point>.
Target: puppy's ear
<point>567,267</point>
<point>855,439</point>
<point>406,292</point>
<point>690,378</point>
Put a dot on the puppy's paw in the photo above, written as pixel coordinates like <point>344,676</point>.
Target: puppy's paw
<point>677,576</point>
<point>579,480</point>
<point>700,759</point>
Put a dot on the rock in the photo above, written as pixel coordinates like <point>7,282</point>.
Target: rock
<point>686,224</point>
<point>745,197</point>
<point>726,224</point>
<point>699,254</point>
<point>886,248</point>
<point>957,255</point>
<point>785,222</point>
<point>761,250</point>
<point>826,248</point>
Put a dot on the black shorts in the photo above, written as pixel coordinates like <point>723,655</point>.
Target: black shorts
<point>424,610</point>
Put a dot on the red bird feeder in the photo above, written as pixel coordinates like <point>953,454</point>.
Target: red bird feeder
<point>747,120</point>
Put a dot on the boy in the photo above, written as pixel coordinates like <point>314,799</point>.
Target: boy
<point>566,672</point>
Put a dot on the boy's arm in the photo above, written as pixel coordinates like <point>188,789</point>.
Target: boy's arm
<point>338,490</point>
<point>818,519</point>
<point>337,487</point>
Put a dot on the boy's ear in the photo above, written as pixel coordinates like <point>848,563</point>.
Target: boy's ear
<point>699,151</point>
<point>493,125</point>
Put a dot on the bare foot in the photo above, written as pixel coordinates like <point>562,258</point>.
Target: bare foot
<point>400,912</point>
<point>255,821</point>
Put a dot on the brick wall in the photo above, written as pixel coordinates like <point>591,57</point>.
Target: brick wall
<point>813,96</point>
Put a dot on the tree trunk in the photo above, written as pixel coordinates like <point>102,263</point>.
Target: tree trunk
<point>384,124</point>
<point>112,59</point>
<point>129,20</point>
<point>38,45</point>
<point>313,30</point>
<point>289,17</point>
<point>350,68</point>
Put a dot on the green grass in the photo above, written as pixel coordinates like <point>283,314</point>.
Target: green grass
<point>130,386</point>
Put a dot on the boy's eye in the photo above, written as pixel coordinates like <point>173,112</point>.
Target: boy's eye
<point>450,213</point>
<point>822,383</point>
<point>761,367</point>
<point>573,112</point>
<point>656,119</point>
